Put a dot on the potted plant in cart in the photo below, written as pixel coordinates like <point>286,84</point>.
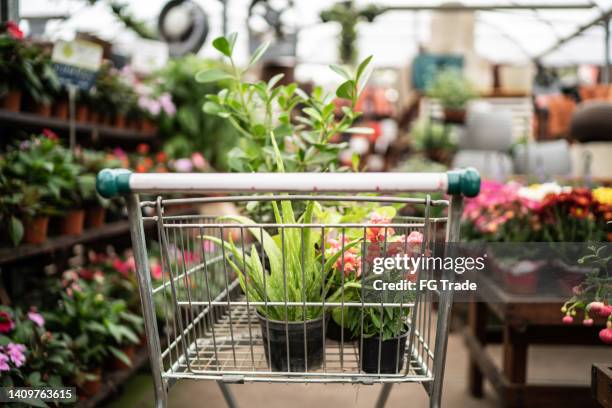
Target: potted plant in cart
<point>381,330</point>
<point>266,146</point>
<point>454,92</point>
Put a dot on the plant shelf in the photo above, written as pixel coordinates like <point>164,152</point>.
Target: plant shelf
<point>34,121</point>
<point>12,254</point>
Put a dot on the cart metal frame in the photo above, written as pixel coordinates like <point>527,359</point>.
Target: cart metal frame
<point>193,350</point>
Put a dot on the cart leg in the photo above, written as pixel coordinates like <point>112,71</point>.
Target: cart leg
<point>228,395</point>
<point>445,306</point>
<point>384,395</point>
<point>146,298</point>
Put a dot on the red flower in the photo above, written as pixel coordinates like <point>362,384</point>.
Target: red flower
<point>6,323</point>
<point>161,157</point>
<point>142,148</point>
<point>13,30</point>
<point>49,134</point>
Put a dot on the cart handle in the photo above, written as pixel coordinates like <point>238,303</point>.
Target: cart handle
<point>114,182</point>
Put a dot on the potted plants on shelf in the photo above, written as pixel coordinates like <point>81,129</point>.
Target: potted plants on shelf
<point>43,172</point>
<point>30,354</point>
<point>100,327</point>
<point>15,70</point>
<point>454,92</point>
<point>92,161</point>
<point>44,86</point>
<point>434,140</point>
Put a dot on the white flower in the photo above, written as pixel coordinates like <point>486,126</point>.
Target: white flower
<point>537,192</point>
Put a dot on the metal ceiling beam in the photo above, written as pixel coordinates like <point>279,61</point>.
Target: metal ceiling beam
<point>493,7</point>
<point>603,18</point>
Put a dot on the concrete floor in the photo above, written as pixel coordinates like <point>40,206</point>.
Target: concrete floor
<point>546,365</point>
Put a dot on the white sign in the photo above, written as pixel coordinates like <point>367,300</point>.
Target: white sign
<point>149,56</point>
<point>78,53</point>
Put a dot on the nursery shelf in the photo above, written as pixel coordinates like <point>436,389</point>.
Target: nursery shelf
<point>63,242</point>
<point>109,230</point>
<point>33,121</point>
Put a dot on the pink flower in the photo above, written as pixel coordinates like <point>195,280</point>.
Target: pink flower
<point>567,319</point>
<point>6,322</point>
<point>605,311</point>
<point>199,162</point>
<point>165,101</point>
<point>15,353</point>
<point>4,360</point>
<point>183,165</point>
<point>349,263</point>
<point>605,335</point>
<point>36,317</point>
<point>587,322</point>
<point>156,271</point>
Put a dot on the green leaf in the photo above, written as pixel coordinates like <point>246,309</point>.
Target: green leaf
<point>355,159</point>
<point>223,46</point>
<point>340,71</point>
<point>345,90</point>
<point>16,230</point>
<point>120,355</point>
<point>361,68</point>
<point>213,75</point>
<point>274,80</point>
<point>259,52</point>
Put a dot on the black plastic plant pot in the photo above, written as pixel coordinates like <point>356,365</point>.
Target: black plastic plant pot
<point>391,354</point>
<point>288,352</point>
<point>334,332</point>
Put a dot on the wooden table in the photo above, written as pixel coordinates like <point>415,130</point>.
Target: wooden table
<point>601,383</point>
<point>525,320</point>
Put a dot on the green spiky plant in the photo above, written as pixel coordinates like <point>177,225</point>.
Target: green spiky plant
<point>297,273</point>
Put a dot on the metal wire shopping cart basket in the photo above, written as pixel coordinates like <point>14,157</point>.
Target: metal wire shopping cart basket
<point>202,322</point>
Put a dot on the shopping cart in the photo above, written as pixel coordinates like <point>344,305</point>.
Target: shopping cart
<point>202,322</point>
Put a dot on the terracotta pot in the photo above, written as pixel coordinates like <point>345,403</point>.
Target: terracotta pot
<point>94,117</point>
<point>12,100</point>
<point>82,113</point>
<point>36,230</point>
<point>91,387</point>
<point>117,364</point>
<point>72,223</point>
<point>94,218</point>
<point>456,116</point>
<point>42,109</point>
<point>60,109</point>
<point>120,121</point>
<point>148,127</point>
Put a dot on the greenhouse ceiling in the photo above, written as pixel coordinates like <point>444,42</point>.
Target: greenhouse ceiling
<point>504,31</point>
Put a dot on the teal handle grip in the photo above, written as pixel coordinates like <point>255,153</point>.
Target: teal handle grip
<point>113,182</point>
<point>465,181</point>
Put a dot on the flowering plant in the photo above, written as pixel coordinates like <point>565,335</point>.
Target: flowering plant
<point>352,284</point>
<point>37,177</point>
<point>594,294</point>
<point>545,212</point>
<point>30,355</point>
<point>98,324</point>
